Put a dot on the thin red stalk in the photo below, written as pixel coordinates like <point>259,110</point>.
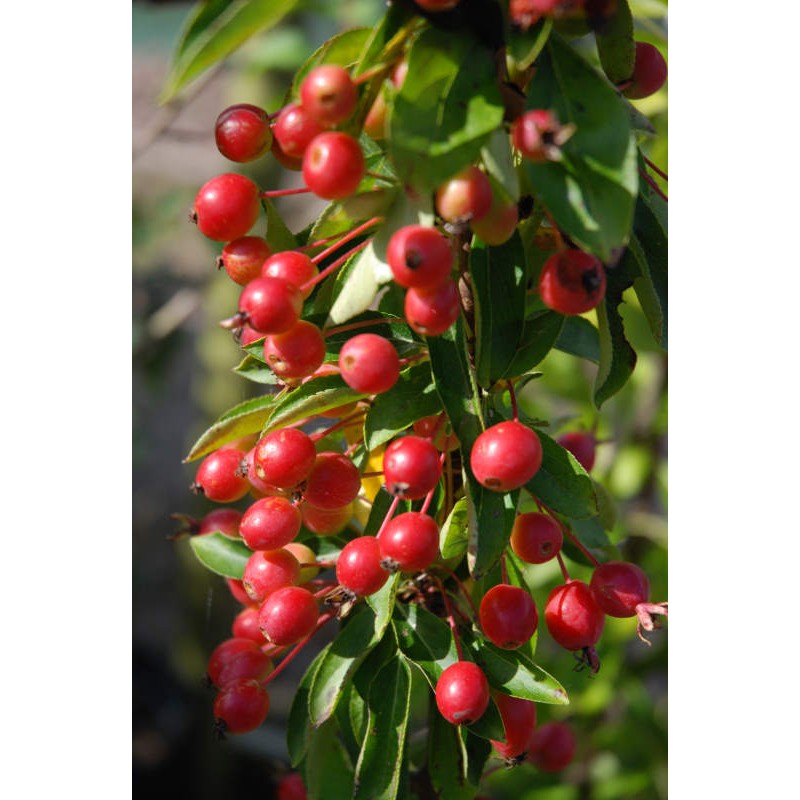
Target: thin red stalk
<point>653,185</point>
<point>318,243</point>
<point>342,423</point>
<point>504,568</point>
<point>353,447</point>
<point>364,323</point>
<point>388,516</point>
<point>513,396</point>
<point>371,73</point>
<point>297,648</point>
<point>563,567</point>
<point>565,529</point>
<point>451,619</point>
<point>333,267</point>
<point>346,238</point>
<point>428,498</point>
<point>462,588</point>
<point>285,192</point>
<point>655,168</point>
<point>411,359</point>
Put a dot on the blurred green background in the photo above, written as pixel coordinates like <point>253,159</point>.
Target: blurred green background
<point>182,381</point>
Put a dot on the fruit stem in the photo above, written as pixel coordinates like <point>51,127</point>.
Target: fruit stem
<point>512,394</point>
<point>565,529</point>
<point>563,567</point>
<point>371,73</point>
<point>342,423</point>
<point>404,362</point>
<point>655,168</point>
<point>284,192</point>
<point>326,617</point>
<point>318,243</point>
<point>653,185</point>
<point>364,323</point>
<point>450,618</point>
<point>346,238</point>
<point>428,498</point>
<point>462,588</point>
<point>504,568</point>
<point>333,267</point>
<point>388,516</point>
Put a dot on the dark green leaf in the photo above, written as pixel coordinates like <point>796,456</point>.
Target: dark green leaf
<point>298,726</point>
<point>221,554</point>
<point>447,760</point>
<point>478,751</point>
<point>411,398</point>
<point>380,508</point>
<point>539,334</point>
<point>615,44</point>
<point>591,191</point>
<point>242,420</point>
<point>498,159</point>
<point>561,482</point>
<point>491,517</point>
<point>579,338</point>
<point>425,640</point>
<point>490,724</point>
<point>592,536</point>
<point>279,237</point>
<point>525,46</point>
<point>617,357</point>
<point>257,371</point>
<point>351,717</point>
<point>379,767</point>
<point>516,675</point>
<point>446,109</point>
<point>382,602</point>
<point>327,769</point>
<point>215,31</point>
<point>361,633</point>
<point>310,399</point>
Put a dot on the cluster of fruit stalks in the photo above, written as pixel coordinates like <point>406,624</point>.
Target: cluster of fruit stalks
<point>296,486</point>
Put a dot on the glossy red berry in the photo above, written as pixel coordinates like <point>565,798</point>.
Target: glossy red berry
<point>572,282</point>
<point>506,456</point>
<point>333,481</point>
<point>226,207</point>
<point>582,446</point>
<point>328,94</point>
<point>245,625</point>
<point>242,258</point>
<point>411,467</point>
<point>358,567</point>
<point>218,476</point>
<point>333,165</point>
<point>242,132</point>
<point>270,523</point>
<point>536,538</point>
<point>519,721</point>
<point>326,521</point>
<point>271,305</point>
<point>462,693</point>
<point>573,617</point>
<point>241,707</point>
<point>237,590</point>
<point>248,335</point>
<point>222,520</point>
<point>649,72</point>
<point>410,540</point>
<point>552,746</point>
<point>294,129</point>
<point>283,458</point>
<point>237,658</point>
<point>419,257</point>
<point>618,587</point>
<point>288,615</point>
<point>259,487</point>
<point>266,571</point>
<point>297,353</point>
<point>293,267</point>
<point>508,616</point>
<point>291,787</point>
<point>464,197</point>
<point>532,134</point>
<point>369,363</point>
<point>430,312</point>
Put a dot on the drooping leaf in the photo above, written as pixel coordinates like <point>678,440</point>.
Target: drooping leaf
<point>446,109</point>
<point>221,554</point>
<point>454,535</point>
<point>561,482</point>
<point>241,420</point>
<point>448,760</point>
<point>214,31</point>
<point>489,725</point>
<point>279,237</point>
<point>579,338</point>
<point>410,399</point>
<point>615,44</point>
<point>257,371</point>
<point>591,191</point>
<point>424,639</point>
<point>379,767</point>
<point>539,334</point>
<point>298,726</point>
<point>516,675</point>
<point>327,770</point>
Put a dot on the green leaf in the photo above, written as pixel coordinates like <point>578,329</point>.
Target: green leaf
<point>498,288</point>
<point>524,47</point>
<point>591,535</point>
<point>343,49</point>
<point>362,632</point>
<point>617,356</point>
<point>561,482</point>
<point>257,371</point>
<point>513,673</point>
<point>221,554</point>
<point>298,726</point>
<point>447,760</point>
<point>214,31</point>
<point>454,535</point>
<point>591,191</point>
<point>579,338</point>
<point>446,109</point>
<point>491,517</point>
<point>424,639</point>
<point>648,246</point>
<point>279,237</point>
<point>498,159</point>
<point>310,399</point>
<point>615,44</point>
<point>379,767</point>
<point>411,398</point>
<point>242,420</point>
<point>327,770</point>
<point>490,724</point>
<point>539,335</point>
<point>478,751</point>
<point>382,602</point>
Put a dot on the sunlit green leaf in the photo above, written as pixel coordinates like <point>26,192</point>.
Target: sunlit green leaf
<point>221,554</point>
